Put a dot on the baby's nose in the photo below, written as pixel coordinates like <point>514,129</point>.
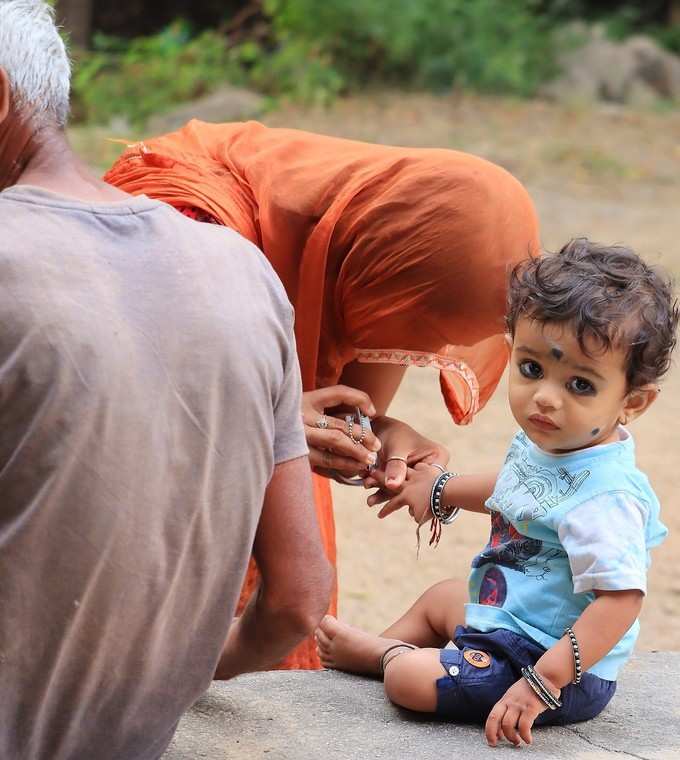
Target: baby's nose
<point>546,398</point>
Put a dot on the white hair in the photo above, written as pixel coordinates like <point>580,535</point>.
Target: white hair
<point>35,60</point>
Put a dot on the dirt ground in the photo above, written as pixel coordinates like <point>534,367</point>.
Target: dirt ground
<point>608,173</point>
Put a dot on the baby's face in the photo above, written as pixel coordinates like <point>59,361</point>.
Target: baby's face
<point>562,398</point>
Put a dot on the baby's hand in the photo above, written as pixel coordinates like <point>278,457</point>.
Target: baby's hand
<point>514,715</point>
<point>414,494</point>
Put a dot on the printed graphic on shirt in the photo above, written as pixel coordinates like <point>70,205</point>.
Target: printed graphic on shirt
<point>493,589</point>
<point>526,491</point>
<point>507,547</point>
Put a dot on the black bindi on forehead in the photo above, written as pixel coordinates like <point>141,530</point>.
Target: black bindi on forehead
<point>558,353</point>
<point>594,431</point>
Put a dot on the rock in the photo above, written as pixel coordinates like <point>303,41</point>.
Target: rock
<point>658,68</point>
<point>641,95</point>
<point>297,715</point>
<point>593,67</point>
<point>226,104</point>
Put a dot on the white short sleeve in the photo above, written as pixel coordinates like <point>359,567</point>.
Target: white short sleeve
<point>605,541</point>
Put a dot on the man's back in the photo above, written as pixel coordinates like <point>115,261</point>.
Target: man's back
<point>148,384</point>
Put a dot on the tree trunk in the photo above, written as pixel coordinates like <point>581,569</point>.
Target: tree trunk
<point>76,18</point>
<point>674,12</point>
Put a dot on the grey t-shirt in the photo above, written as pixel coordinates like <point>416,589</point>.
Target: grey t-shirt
<point>148,385</point>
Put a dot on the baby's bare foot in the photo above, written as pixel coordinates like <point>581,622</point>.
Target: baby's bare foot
<point>343,647</point>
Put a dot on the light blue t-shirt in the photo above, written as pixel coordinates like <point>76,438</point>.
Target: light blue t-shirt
<point>561,527</point>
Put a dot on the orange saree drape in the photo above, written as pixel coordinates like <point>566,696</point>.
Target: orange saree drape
<point>389,255</point>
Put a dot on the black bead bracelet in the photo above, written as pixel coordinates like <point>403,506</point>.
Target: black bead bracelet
<point>577,655</point>
<point>541,690</point>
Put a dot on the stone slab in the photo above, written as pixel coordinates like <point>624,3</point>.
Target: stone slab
<point>299,715</point>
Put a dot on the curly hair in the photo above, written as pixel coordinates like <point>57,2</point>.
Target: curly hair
<point>609,295</point>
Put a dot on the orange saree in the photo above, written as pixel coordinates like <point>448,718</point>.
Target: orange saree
<point>389,255</point>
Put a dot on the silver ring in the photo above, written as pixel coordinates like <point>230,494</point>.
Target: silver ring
<point>438,466</point>
<point>322,422</point>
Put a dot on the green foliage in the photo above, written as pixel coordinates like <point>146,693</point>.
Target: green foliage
<point>491,45</point>
<point>148,74</point>
<point>669,37</point>
<point>629,20</point>
<point>296,69</point>
<point>312,51</point>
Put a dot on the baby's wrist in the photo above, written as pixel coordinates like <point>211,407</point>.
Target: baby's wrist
<point>542,687</point>
<point>549,681</point>
<point>441,507</point>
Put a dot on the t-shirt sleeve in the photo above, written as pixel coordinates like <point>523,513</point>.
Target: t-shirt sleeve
<point>605,541</point>
<point>289,434</point>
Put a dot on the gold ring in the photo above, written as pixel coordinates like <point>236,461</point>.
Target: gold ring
<point>397,459</point>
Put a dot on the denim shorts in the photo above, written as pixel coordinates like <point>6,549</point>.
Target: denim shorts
<point>486,665</point>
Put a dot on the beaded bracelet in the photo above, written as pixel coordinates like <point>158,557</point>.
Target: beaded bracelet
<point>349,419</point>
<point>445,515</point>
<point>577,655</point>
<point>541,690</point>
<point>439,516</point>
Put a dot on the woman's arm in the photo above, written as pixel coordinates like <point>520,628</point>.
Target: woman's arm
<point>379,381</point>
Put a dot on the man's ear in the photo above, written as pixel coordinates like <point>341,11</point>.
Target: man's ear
<point>4,95</point>
<point>638,401</point>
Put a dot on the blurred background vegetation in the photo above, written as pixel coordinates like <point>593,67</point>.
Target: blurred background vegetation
<point>133,62</point>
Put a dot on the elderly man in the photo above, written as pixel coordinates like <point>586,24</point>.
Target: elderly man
<point>150,438</point>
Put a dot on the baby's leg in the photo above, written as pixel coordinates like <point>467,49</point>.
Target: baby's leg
<point>344,647</point>
<point>411,679</point>
<point>431,621</point>
<point>410,674</point>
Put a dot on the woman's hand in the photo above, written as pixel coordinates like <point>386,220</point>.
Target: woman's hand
<point>514,714</point>
<point>330,448</point>
<point>402,447</point>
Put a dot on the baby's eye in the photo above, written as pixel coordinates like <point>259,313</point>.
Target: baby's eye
<point>581,386</point>
<point>531,369</point>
